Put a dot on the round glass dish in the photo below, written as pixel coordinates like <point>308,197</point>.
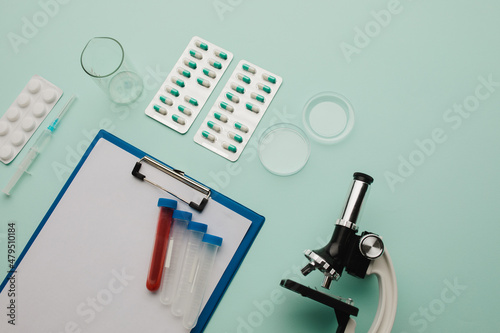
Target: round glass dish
<point>284,149</point>
<point>328,117</point>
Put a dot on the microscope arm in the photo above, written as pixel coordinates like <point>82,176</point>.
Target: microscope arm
<point>388,294</point>
<point>351,326</point>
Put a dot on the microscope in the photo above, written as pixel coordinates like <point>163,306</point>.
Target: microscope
<point>359,255</point>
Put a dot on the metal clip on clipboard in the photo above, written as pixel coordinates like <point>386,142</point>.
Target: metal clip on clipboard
<point>197,202</point>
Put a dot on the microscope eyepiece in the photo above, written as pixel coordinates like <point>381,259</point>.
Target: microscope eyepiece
<point>363,177</point>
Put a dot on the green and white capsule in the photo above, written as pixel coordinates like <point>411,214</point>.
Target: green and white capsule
<point>189,63</point>
<point>201,45</point>
<point>252,107</point>
<point>178,81</point>
<point>166,100</point>
<point>257,97</point>
<point>178,119</point>
<point>232,97</point>
<point>264,88</point>
<point>241,127</point>
<point>184,72</point>
<point>191,100</point>
<point>208,136</point>
<point>215,64</point>
<point>209,73</point>
<point>159,109</point>
<point>172,91</point>
<point>220,54</point>
<point>226,106</point>
<point>269,78</point>
<point>237,88</point>
<point>244,78</point>
<point>235,137</point>
<point>249,68</point>
<point>185,110</point>
<point>195,54</point>
<point>214,126</point>
<point>229,147</point>
<point>220,116</point>
<point>203,82</point>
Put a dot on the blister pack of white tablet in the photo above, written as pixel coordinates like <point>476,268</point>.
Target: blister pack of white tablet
<point>189,84</point>
<point>25,114</point>
<point>235,115</point>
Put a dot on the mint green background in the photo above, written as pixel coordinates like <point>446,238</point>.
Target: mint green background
<point>440,225</point>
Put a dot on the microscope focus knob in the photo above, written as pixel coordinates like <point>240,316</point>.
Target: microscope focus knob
<point>371,246</point>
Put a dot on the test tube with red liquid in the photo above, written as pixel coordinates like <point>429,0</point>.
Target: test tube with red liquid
<point>167,208</point>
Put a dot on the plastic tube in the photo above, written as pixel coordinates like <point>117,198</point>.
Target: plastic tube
<point>195,296</point>
<point>196,231</point>
<point>167,207</point>
<point>175,253</point>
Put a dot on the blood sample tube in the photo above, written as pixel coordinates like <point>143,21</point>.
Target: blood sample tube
<point>195,235</point>
<point>196,293</point>
<point>175,252</point>
<point>167,207</point>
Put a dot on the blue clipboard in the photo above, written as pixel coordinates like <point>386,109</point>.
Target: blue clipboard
<point>255,224</point>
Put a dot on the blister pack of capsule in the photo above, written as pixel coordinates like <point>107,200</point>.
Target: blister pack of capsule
<point>25,115</point>
<point>235,115</point>
<point>188,86</point>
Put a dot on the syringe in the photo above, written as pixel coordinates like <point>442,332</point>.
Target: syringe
<point>37,148</point>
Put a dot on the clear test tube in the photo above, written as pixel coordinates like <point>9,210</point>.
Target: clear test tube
<point>175,252</point>
<point>167,208</point>
<point>196,231</point>
<point>195,296</point>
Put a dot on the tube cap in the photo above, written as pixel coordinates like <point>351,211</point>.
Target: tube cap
<point>196,226</point>
<point>211,239</point>
<point>169,203</point>
<point>182,215</point>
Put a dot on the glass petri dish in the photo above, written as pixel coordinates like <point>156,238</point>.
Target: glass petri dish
<point>328,117</point>
<point>284,149</point>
